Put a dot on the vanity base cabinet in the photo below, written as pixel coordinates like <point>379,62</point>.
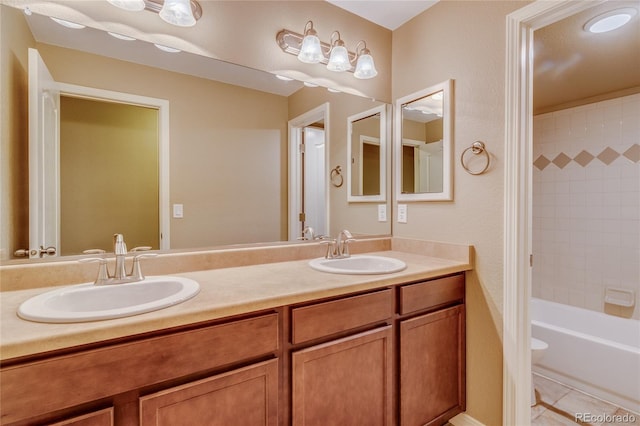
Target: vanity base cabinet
<point>346,381</point>
<point>432,367</point>
<point>244,397</point>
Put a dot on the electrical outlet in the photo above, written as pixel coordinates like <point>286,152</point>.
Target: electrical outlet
<point>382,212</point>
<point>402,213</point>
<point>178,211</point>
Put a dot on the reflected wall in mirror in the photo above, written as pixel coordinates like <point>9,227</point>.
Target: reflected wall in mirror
<point>366,155</point>
<point>423,144</point>
<point>228,149</point>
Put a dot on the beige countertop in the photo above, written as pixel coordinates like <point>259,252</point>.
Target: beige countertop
<point>223,292</point>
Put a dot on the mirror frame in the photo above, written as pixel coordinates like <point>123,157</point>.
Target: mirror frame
<point>382,110</point>
<point>447,145</point>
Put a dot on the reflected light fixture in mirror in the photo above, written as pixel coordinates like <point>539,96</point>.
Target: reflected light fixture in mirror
<point>132,5</point>
<point>309,49</point>
<point>182,13</point>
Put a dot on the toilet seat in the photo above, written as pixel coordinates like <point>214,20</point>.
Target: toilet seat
<point>538,345</point>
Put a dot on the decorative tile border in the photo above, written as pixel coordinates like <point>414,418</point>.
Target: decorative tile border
<point>607,156</point>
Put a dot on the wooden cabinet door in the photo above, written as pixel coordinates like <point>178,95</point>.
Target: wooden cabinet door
<point>244,397</point>
<point>344,382</point>
<point>97,418</point>
<point>432,367</point>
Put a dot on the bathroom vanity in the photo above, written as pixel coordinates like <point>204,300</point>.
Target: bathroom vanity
<point>305,348</point>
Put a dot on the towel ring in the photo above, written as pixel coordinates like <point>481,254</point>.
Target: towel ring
<point>336,177</point>
<point>477,148</point>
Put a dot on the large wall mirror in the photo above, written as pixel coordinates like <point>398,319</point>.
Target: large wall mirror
<point>228,163</point>
<point>423,144</point>
<point>366,155</point>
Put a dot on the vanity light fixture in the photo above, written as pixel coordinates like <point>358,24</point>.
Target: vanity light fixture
<point>68,24</point>
<point>339,56</point>
<point>132,5</point>
<point>365,68</point>
<point>183,13</point>
<point>610,21</point>
<point>309,49</point>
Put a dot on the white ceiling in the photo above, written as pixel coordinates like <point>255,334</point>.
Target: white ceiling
<point>390,14</point>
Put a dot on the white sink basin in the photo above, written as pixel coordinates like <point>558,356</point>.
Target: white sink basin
<point>358,265</point>
<point>88,302</point>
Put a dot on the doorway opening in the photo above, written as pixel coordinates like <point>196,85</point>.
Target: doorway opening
<point>308,183</point>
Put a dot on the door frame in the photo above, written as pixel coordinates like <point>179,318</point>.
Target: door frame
<point>295,127</point>
<point>518,162</point>
<point>162,105</point>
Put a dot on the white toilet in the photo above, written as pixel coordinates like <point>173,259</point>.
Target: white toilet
<point>537,350</point>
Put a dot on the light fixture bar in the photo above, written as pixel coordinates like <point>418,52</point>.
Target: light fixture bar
<point>290,42</point>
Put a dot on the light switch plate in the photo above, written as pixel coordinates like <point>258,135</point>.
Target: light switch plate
<point>178,211</point>
<point>382,212</point>
<point>402,213</point>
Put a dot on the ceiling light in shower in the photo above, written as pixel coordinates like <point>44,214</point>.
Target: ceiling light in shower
<point>610,21</point>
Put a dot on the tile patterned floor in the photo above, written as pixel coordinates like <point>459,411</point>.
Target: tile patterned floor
<point>558,406</point>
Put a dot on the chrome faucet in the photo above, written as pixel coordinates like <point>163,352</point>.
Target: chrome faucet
<point>308,230</point>
<point>339,248</point>
<point>120,275</point>
<point>120,249</point>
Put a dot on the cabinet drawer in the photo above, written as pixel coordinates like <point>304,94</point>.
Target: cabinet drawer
<point>425,295</point>
<point>247,396</point>
<point>324,319</point>
<point>36,388</point>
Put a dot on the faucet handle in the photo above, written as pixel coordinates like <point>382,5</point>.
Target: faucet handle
<point>141,248</point>
<point>136,271</point>
<point>331,248</point>
<point>103,272</point>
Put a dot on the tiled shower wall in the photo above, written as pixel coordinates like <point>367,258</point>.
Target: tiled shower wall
<point>586,204</point>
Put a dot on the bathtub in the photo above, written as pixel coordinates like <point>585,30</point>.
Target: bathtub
<point>590,351</point>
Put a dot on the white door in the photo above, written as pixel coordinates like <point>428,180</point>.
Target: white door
<point>44,142</point>
<point>314,187</point>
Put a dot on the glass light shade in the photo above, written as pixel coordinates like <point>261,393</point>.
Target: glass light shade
<point>365,68</point>
<point>132,5</point>
<point>311,51</point>
<point>610,21</point>
<point>178,12</point>
<point>339,59</point>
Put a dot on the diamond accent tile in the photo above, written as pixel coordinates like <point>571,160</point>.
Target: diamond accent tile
<point>583,158</point>
<point>608,156</point>
<point>562,160</point>
<point>541,162</point>
<point>633,153</point>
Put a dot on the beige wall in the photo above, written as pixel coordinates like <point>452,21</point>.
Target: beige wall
<point>465,41</point>
<point>108,175</point>
<point>15,38</point>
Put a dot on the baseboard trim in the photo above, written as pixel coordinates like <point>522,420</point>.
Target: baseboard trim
<point>463,419</point>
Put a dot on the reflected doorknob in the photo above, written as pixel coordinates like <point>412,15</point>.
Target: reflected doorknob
<point>49,251</point>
